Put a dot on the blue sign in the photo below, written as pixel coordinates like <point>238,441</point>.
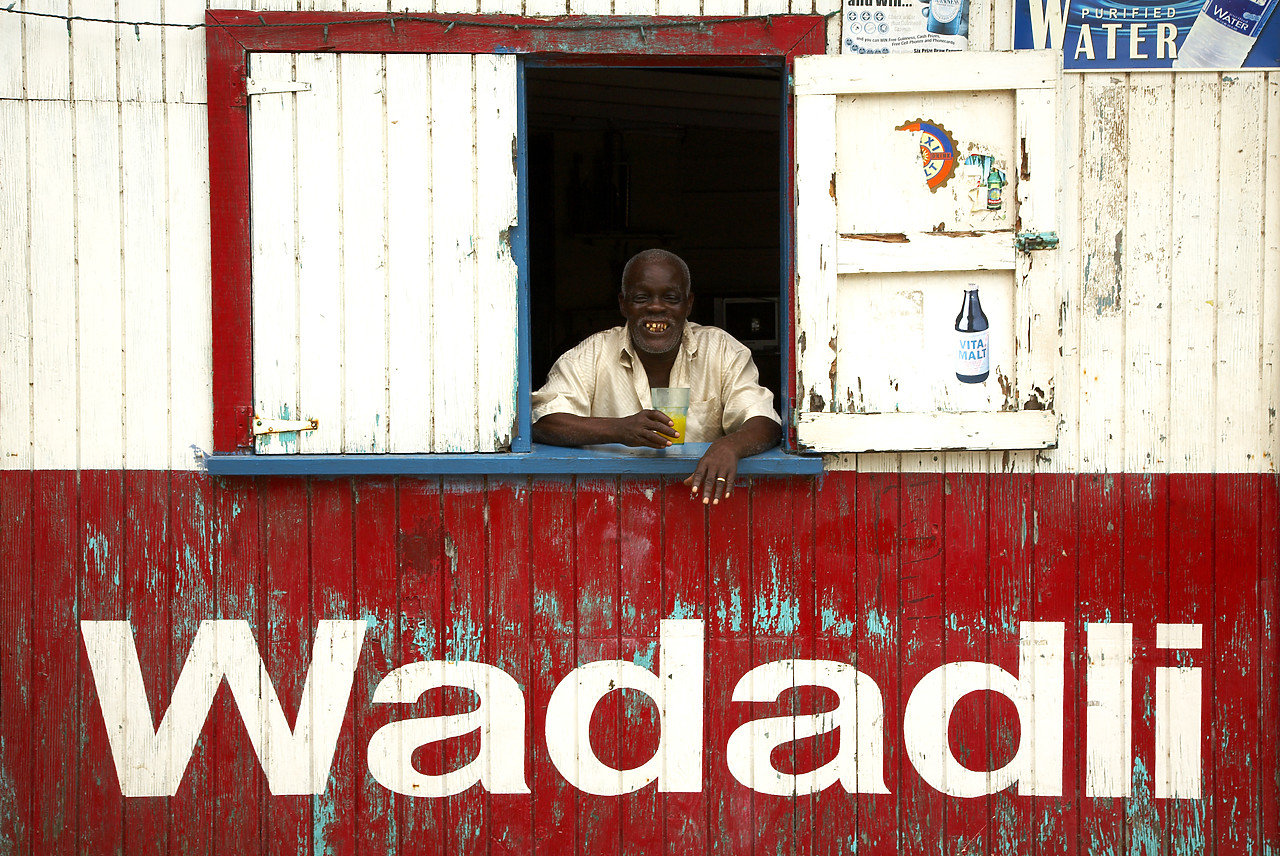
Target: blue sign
<point>1145,35</point>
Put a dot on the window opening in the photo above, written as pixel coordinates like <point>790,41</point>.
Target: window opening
<point>623,159</point>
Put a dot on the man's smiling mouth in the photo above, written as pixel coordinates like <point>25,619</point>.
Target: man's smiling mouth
<point>655,326</point>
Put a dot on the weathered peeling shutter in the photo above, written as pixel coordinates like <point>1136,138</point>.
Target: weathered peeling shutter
<point>385,291</point>
<point>886,244</point>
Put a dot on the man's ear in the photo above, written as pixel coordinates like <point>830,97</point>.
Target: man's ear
<point>622,307</point>
<point>690,312</point>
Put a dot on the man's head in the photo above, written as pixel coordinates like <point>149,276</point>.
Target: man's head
<point>656,300</point>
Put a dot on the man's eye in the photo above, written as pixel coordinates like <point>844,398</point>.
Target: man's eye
<point>672,298</point>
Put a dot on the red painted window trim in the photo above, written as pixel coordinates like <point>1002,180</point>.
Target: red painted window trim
<point>612,40</point>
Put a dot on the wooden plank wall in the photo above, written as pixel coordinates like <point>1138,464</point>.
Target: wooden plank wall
<point>894,573</point>
<point>1169,331</point>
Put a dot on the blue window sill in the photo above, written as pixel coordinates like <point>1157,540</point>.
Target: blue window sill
<point>543,460</point>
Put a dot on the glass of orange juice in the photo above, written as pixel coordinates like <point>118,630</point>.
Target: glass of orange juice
<point>673,401</point>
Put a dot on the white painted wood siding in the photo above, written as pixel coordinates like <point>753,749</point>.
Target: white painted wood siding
<point>385,292</point>
<point>1192,344</point>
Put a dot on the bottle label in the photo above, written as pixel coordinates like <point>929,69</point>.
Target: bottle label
<point>944,11</point>
<point>1245,17</point>
<point>974,354</point>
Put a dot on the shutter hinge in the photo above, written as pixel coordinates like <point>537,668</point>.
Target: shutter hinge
<point>1028,241</point>
<point>280,426</point>
<point>254,86</point>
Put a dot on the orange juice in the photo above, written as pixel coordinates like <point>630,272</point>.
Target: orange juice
<point>679,416</point>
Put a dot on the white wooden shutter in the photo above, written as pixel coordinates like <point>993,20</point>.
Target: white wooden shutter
<point>882,259</point>
<point>385,291</point>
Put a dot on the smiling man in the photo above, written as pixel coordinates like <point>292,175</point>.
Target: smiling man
<point>599,392</point>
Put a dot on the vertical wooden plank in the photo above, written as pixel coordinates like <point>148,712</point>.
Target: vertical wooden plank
<point>877,516</point>
<point>18,748</point>
<point>146,289</point>
<point>1103,187</point>
<point>286,639</point>
<point>1269,655</point>
<point>1238,302</point>
<point>1055,824</point>
<point>496,275</point>
<point>364,236</point>
<point>101,819</point>
<point>767,7</point>
<point>466,638</point>
<point>1101,598</point>
<point>970,600</point>
<point>728,653</point>
<point>635,7</point>
<point>377,601</point>
<point>11,44</point>
<point>922,608</point>
<point>1148,303</point>
<point>191,601</point>
<point>98,286</point>
<point>146,585</point>
<point>639,605</point>
<point>274,213</point>
<point>319,304</point>
<point>1068,401</point>
<point>52,286</point>
<point>333,583</point>
<point>46,52</point>
<point>1192,376</point>
<point>184,68</point>
<point>452,243</point>
<point>15,289</point>
<point>1236,728</point>
<point>141,58</point>
<point>510,552</point>
<point>685,548</point>
<point>1191,601</point>
<point>190,345</point>
<point>1271,285</point>
<point>774,618</point>
<point>237,781</point>
<point>409,274</point>
<point>808,699</point>
<point>551,567</point>
<point>815,322</point>
<point>1146,539</point>
<point>93,54</point>
<point>597,602</point>
<point>421,579</point>
<point>1010,602</point>
<point>837,818</point>
<point>1037,296</point>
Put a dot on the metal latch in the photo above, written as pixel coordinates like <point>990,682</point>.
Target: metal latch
<point>1028,241</point>
<point>281,426</point>
<point>255,86</point>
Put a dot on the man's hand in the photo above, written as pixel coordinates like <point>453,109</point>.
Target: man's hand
<point>651,428</point>
<point>713,479</point>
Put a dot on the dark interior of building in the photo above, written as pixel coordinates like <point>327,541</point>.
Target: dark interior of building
<point>622,159</point>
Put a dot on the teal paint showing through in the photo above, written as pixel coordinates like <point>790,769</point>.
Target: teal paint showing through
<point>681,610</point>
<point>548,607</point>
<point>647,656</point>
<point>424,641</point>
<point>773,612</point>
<point>463,642</point>
<point>836,625</point>
<point>732,615</point>
<point>878,626</point>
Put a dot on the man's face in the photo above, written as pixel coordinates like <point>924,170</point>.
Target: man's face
<point>656,304</point>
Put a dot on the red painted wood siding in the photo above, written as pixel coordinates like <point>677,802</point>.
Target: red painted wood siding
<point>894,573</point>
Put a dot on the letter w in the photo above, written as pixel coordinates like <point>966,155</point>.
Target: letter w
<point>150,762</point>
<point>1047,14</point>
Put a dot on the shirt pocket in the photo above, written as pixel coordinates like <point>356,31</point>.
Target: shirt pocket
<point>704,420</point>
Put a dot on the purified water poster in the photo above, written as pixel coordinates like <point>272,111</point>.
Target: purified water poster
<point>905,26</point>
<point>1103,35</point>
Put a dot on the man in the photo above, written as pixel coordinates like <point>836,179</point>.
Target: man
<point>599,392</point>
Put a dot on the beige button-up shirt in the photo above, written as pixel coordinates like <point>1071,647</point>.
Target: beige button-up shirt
<point>603,376</point>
